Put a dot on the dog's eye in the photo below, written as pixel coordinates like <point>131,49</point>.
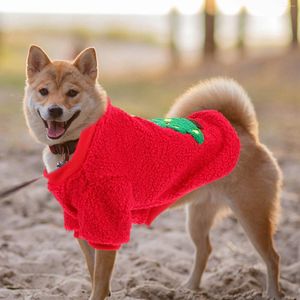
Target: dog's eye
<point>72,93</point>
<point>44,92</point>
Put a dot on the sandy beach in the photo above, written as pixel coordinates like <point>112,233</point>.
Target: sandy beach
<point>40,260</point>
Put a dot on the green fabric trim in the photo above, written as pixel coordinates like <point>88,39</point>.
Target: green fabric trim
<point>181,125</point>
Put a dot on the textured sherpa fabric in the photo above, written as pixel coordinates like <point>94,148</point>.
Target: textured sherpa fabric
<point>128,170</point>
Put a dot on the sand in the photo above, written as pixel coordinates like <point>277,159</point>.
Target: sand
<point>40,260</point>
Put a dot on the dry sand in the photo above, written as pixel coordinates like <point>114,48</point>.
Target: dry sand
<point>39,260</point>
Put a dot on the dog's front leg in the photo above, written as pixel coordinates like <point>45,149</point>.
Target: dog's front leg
<point>103,266</point>
<point>89,254</point>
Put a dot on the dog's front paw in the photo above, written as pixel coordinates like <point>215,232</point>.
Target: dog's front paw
<point>100,297</point>
<point>190,285</point>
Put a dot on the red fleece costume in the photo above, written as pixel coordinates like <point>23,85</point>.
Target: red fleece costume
<point>128,170</point>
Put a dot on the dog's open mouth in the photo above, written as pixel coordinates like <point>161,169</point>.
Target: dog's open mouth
<point>56,129</point>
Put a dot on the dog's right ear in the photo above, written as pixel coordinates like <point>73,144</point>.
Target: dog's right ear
<point>37,59</point>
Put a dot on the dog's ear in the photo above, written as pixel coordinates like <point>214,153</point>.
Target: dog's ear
<point>86,63</point>
<point>37,60</point>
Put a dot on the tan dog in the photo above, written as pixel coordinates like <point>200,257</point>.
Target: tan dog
<point>62,98</point>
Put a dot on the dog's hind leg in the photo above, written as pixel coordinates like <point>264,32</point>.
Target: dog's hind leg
<point>254,200</point>
<point>200,218</point>
<point>257,225</point>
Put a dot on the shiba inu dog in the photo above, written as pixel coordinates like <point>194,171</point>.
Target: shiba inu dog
<point>62,98</point>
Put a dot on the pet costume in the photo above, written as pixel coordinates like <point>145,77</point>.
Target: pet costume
<point>127,170</point>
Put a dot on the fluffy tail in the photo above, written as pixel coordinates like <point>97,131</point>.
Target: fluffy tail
<point>223,95</point>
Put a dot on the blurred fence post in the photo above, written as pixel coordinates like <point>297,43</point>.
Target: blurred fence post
<point>1,35</point>
<point>294,22</point>
<point>79,38</point>
<point>174,26</point>
<point>209,40</point>
<point>242,19</point>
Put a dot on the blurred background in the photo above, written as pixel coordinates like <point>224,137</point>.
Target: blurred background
<point>149,52</point>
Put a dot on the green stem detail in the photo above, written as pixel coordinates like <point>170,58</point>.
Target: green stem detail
<point>181,125</point>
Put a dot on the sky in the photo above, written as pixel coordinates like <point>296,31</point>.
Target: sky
<point>141,7</point>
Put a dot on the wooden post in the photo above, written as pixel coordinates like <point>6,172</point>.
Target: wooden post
<point>174,25</point>
<point>209,40</point>
<point>242,30</point>
<point>1,35</point>
<point>294,22</point>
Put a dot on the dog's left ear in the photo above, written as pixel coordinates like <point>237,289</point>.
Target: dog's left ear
<point>86,63</point>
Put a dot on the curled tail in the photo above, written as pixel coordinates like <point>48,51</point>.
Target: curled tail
<point>223,95</point>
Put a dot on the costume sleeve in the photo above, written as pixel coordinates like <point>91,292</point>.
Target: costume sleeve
<point>104,213</point>
<point>70,222</point>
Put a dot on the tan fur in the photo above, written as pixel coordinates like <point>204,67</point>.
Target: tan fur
<point>251,191</point>
<point>224,95</point>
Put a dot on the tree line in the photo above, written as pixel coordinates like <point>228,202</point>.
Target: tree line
<point>210,15</point>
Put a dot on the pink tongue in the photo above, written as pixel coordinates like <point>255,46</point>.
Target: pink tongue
<point>55,129</point>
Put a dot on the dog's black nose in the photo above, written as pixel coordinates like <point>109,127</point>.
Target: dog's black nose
<point>55,111</point>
